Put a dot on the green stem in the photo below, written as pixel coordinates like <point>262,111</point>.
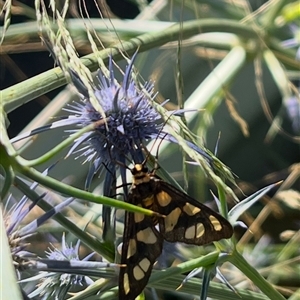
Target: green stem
<point>171,279</point>
<point>238,260</point>
<point>284,55</point>
<point>222,198</point>
<point>268,18</point>
<point>12,162</point>
<point>65,189</point>
<point>62,145</point>
<point>187,266</point>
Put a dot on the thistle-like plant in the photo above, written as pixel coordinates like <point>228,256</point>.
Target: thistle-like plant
<point>128,120</point>
<point>108,129</point>
<point>18,233</point>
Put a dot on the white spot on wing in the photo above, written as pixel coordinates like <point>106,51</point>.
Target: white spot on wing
<point>190,209</point>
<point>199,230</point>
<point>195,231</point>
<point>140,270</point>
<point>171,219</point>
<point>138,273</point>
<point>147,236</point>
<point>126,284</point>
<point>190,233</point>
<point>215,223</point>
<point>131,248</point>
<point>145,264</point>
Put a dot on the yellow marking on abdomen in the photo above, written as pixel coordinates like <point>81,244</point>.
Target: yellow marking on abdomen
<point>216,224</point>
<point>190,209</point>
<point>171,219</point>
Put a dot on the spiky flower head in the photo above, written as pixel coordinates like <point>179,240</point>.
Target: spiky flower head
<point>56,285</point>
<point>17,233</point>
<point>130,119</point>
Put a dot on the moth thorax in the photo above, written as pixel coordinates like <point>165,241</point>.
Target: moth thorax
<point>141,178</point>
<point>140,174</point>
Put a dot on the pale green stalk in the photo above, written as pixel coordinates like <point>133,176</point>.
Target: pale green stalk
<point>34,87</point>
<point>9,288</point>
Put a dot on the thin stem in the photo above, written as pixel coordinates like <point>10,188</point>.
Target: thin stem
<point>62,145</point>
<point>77,193</point>
<point>34,87</point>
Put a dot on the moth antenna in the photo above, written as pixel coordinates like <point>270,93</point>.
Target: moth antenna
<point>217,144</point>
<point>158,146</point>
<point>148,153</point>
<point>106,167</point>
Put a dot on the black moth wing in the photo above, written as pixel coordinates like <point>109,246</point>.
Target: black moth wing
<point>187,220</point>
<point>142,245</point>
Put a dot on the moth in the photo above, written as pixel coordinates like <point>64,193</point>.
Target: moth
<point>185,220</point>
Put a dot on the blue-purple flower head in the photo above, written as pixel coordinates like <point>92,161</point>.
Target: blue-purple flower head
<point>17,233</point>
<point>63,271</point>
<point>56,284</point>
<point>130,119</point>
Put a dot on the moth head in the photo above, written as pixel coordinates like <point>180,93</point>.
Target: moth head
<point>139,169</point>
